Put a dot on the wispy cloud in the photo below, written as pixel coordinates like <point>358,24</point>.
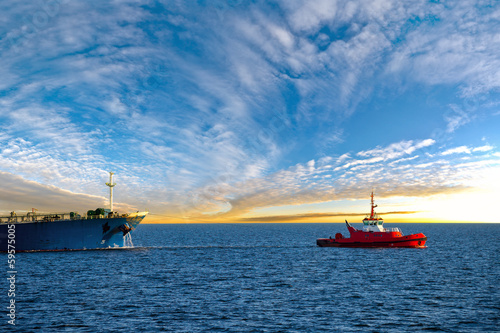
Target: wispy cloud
<point>466,150</point>
<point>414,176</point>
<point>457,150</point>
<point>483,148</point>
<point>396,150</point>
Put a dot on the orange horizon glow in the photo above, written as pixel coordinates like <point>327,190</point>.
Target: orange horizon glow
<point>473,206</point>
<point>301,222</point>
<point>351,221</point>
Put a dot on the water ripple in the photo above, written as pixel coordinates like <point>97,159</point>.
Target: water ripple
<point>264,278</point>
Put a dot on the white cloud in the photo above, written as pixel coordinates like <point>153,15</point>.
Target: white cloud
<point>283,35</point>
<point>309,15</point>
<point>343,157</point>
<point>457,150</point>
<point>457,118</point>
<point>403,160</point>
<point>483,148</point>
<point>115,106</point>
<point>396,150</point>
<point>466,150</point>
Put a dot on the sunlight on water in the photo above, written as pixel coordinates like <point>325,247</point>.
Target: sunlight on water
<point>127,240</point>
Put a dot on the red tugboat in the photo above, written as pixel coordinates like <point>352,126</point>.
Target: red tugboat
<point>374,235</point>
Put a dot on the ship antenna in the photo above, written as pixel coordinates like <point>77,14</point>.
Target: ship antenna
<point>111,185</point>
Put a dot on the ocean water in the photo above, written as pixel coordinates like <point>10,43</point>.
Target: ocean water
<point>263,278</point>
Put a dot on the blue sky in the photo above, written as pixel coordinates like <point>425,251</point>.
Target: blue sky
<point>252,110</point>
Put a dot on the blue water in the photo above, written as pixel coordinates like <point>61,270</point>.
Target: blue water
<point>263,278</point>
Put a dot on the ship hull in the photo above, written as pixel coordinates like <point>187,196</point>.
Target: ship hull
<point>411,241</point>
<point>64,235</point>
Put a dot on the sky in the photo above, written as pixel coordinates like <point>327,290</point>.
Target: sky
<point>252,111</point>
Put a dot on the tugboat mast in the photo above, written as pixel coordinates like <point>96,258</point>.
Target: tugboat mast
<point>373,207</point>
<point>111,185</point>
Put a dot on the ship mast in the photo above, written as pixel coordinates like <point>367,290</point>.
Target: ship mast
<point>373,207</point>
<point>111,185</point>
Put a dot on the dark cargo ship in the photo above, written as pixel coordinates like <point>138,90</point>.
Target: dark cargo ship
<point>98,229</point>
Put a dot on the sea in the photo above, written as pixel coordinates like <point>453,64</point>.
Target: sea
<point>262,278</point>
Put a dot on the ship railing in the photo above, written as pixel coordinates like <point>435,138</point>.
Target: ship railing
<point>50,217</point>
<point>37,217</point>
<point>34,218</point>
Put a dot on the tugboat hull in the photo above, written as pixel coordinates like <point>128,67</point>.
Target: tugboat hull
<point>411,241</point>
